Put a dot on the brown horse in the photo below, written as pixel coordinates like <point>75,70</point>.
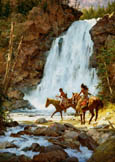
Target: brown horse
<point>56,104</point>
<point>94,104</point>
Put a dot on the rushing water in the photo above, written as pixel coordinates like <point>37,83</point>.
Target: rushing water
<point>25,141</point>
<point>67,65</point>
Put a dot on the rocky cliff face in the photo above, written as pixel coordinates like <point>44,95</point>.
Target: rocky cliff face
<point>103,33</point>
<point>43,25</point>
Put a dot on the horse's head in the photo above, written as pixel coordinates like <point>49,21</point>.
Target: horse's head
<point>47,102</point>
<point>75,97</point>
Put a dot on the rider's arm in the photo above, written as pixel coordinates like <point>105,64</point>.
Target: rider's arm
<point>79,93</point>
<point>58,96</point>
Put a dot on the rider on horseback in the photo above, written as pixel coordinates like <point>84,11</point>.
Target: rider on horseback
<point>63,101</point>
<point>83,101</point>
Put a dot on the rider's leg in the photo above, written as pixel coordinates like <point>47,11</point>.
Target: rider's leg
<point>78,106</point>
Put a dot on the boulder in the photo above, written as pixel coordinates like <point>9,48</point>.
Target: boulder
<point>51,148</point>
<point>52,156</point>
<point>87,141</point>
<point>105,152</point>
<point>71,159</point>
<point>57,127</point>
<point>41,121</point>
<point>11,124</point>
<point>34,147</point>
<point>45,132</point>
<point>71,134</point>
<point>9,157</point>
<point>5,145</point>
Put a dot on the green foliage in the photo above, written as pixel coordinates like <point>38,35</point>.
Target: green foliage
<point>4,33</point>
<point>5,9</point>
<point>45,5</point>
<point>106,60</point>
<point>4,113</point>
<point>99,12</point>
<point>25,6</point>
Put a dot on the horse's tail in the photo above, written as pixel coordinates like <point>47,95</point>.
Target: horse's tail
<point>101,104</point>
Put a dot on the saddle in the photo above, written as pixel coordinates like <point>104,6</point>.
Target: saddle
<point>84,103</point>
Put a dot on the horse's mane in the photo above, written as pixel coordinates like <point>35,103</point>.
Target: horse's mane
<point>53,100</point>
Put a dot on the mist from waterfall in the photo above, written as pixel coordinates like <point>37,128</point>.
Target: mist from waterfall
<point>67,65</point>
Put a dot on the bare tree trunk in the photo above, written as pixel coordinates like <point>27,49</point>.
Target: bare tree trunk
<point>108,81</point>
<point>8,65</point>
<point>16,55</point>
<point>10,62</point>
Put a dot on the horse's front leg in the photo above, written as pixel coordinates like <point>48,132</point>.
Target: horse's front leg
<point>53,114</point>
<point>92,113</point>
<point>61,115</point>
<point>96,113</point>
<point>83,117</point>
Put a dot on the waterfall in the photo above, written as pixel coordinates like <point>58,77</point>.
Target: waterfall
<point>67,65</point>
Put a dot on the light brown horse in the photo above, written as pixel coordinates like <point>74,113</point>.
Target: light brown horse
<point>94,104</point>
<point>56,104</point>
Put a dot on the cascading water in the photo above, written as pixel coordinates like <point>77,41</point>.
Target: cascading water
<point>67,65</point>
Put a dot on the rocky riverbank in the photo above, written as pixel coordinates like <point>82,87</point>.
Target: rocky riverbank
<point>42,139</point>
<point>53,141</point>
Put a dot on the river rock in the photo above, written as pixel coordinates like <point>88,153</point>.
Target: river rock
<point>70,126</point>
<point>88,141</point>
<point>34,147</point>
<point>57,127</point>
<point>9,157</point>
<point>65,142</point>
<point>27,132</point>
<point>43,131</point>
<point>94,134</point>
<point>52,156</point>
<point>4,145</point>
<point>71,134</point>
<point>51,148</point>
<point>11,124</point>
<point>2,133</point>
<point>41,121</point>
<point>71,159</point>
<point>105,152</point>
<point>102,126</point>
<point>53,130</point>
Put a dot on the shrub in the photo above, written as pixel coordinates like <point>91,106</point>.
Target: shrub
<point>106,59</point>
<point>5,9</point>
<point>25,6</point>
<point>99,12</point>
